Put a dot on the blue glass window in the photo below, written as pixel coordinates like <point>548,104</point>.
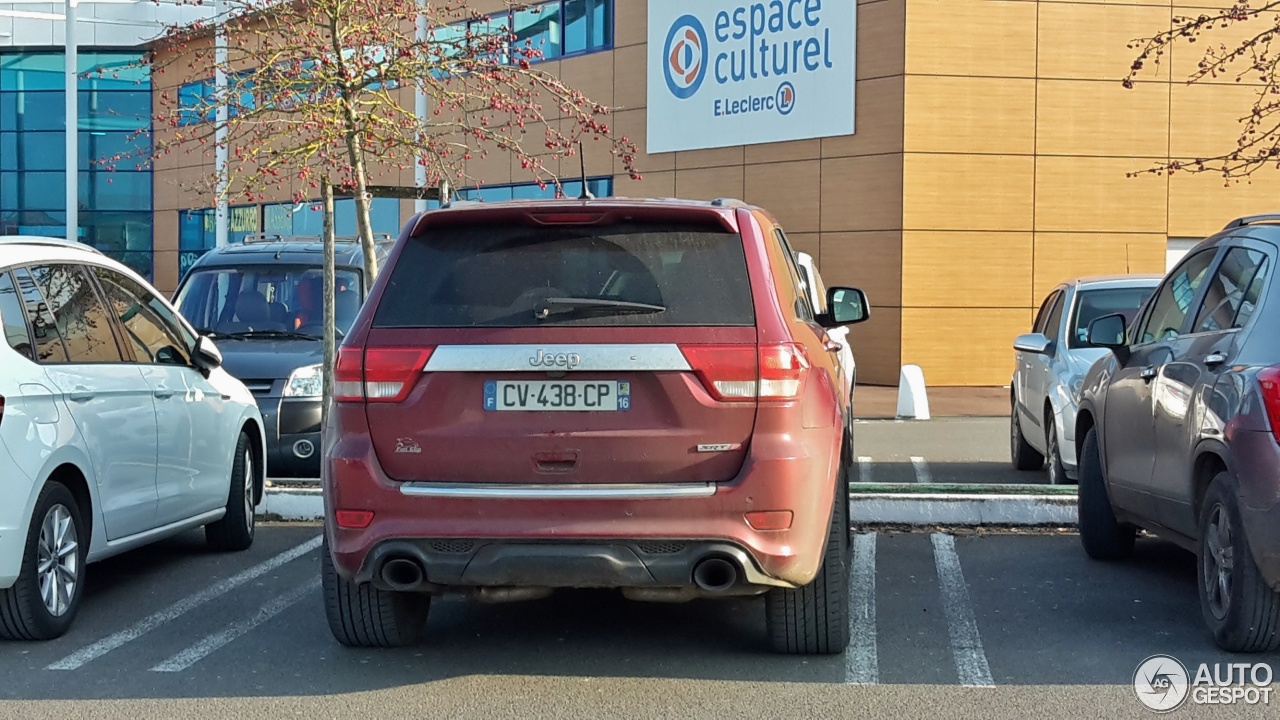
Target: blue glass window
<point>27,110</point>
<point>125,110</point>
<point>550,30</point>
<point>33,190</point>
<point>195,102</point>
<point>123,236</point>
<point>537,32</point>
<point>32,71</point>
<point>600,187</point>
<point>111,71</point>
<point>116,190</point>
<point>307,218</point>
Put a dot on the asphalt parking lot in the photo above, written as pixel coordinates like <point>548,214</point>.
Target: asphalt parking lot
<point>942,450</point>
<point>992,625</point>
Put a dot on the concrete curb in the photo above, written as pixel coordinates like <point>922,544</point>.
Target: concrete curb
<point>887,508</point>
<point>285,503</point>
<point>958,509</point>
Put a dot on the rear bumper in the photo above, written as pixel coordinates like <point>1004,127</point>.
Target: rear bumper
<point>595,537</point>
<point>14,518</point>
<point>463,563</point>
<point>1257,465</point>
<point>1263,530</point>
<point>12,546</point>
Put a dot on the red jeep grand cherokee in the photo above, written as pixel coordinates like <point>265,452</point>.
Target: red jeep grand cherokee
<point>631,394</point>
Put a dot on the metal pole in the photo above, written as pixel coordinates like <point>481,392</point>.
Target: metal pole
<point>420,110</point>
<point>222,213</point>
<point>330,337</point>
<point>71,89</point>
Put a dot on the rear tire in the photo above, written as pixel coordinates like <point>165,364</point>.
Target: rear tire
<point>362,616</point>
<point>814,619</point>
<point>1103,537</point>
<point>235,531</point>
<point>1025,457</point>
<point>1243,612</point>
<point>54,559</point>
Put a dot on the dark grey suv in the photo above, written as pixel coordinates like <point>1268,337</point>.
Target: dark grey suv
<point>1179,429</point>
<point>262,301</point>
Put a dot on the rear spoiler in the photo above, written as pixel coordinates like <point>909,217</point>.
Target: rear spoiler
<point>580,214</point>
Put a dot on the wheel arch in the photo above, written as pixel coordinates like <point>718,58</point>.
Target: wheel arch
<point>1084,423</point>
<point>72,477</point>
<point>257,441</point>
<point>1211,459</point>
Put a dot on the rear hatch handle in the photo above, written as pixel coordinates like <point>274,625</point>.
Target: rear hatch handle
<point>556,462</point>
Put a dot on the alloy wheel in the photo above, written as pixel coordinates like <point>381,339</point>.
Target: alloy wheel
<point>248,488</point>
<point>1055,463</point>
<point>1218,562</point>
<point>58,563</point>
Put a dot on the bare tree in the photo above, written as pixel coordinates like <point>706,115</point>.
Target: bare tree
<point>1251,59</point>
<point>323,90</point>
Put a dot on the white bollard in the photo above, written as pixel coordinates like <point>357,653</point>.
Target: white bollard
<point>913,404</point>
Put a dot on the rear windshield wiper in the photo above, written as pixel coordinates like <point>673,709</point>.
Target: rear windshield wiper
<point>595,306</point>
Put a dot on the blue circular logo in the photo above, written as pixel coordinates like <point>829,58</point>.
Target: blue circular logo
<point>785,99</point>
<point>684,57</point>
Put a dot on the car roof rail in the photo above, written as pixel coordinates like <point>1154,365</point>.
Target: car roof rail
<point>1253,220</point>
<point>259,238</point>
<point>43,241</point>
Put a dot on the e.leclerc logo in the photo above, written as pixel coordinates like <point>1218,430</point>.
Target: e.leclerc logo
<point>686,56</point>
<point>776,39</point>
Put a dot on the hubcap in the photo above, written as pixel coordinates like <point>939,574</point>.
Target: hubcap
<point>1218,562</point>
<point>248,489</point>
<point>58,563</point>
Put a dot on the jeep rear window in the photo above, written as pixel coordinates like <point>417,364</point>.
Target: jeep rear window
<point>499,275</point>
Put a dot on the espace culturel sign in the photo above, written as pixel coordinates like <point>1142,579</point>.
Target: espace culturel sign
<point>746,72</point>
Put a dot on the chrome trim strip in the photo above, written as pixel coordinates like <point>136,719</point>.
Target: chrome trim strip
<point>633,491</point>
<point>558,358</point>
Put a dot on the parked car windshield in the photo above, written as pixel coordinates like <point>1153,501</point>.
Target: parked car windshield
<point>268,299</point>
<point>527,276</point>
<point>1093,304</point>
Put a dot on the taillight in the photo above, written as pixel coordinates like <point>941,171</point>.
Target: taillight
<point>782,371</point>
<point>348,380</point>
<point>377,374</point>
<point>1270,380</point>
<point>1,408</point>
<point>737,373</point>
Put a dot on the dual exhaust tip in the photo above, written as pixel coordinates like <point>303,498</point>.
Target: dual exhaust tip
<point>711,575</point>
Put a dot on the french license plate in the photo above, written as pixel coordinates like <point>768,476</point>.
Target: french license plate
<point>557,395</point>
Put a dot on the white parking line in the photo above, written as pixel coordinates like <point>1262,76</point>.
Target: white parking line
<point>966,643</point>
<point>180,608</point>
<point>212,643</point>
<point>862,662</point>
<point>922,470</point>
<point>864,469</point>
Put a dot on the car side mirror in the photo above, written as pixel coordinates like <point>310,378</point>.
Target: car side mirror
<point>169,355</point>
<point>1109,332</point>
<point>845,306</point>
<point>206,355</point>
<point>1034,343</point>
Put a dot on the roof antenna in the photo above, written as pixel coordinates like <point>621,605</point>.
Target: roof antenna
<point>582,159</point>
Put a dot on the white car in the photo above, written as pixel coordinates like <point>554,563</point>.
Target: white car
<point>117,428</point>
<point>817,290</point>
